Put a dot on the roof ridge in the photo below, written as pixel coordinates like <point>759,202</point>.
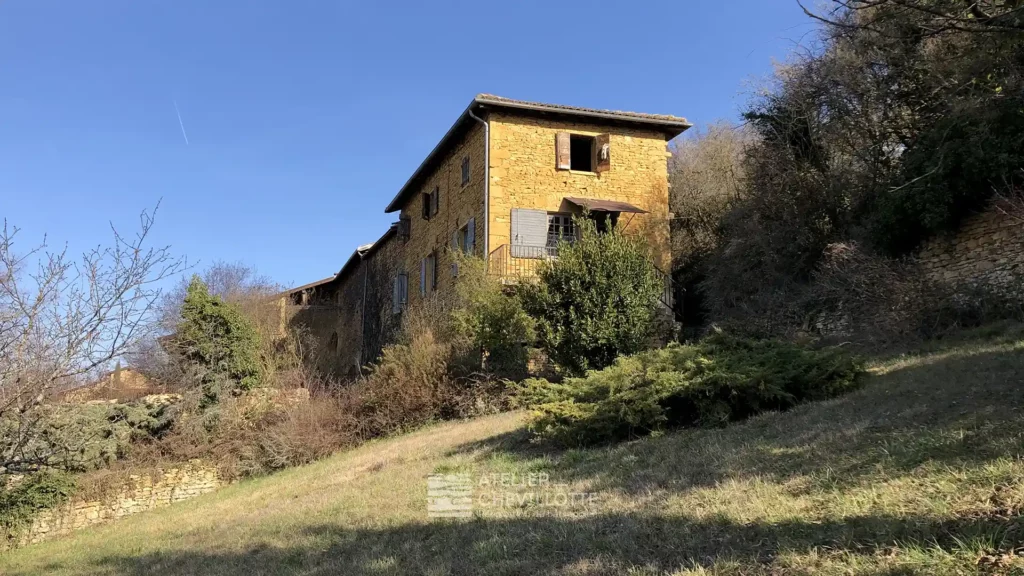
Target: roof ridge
<point>496,99</point>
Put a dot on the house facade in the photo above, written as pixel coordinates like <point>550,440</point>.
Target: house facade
<point>503,183</point>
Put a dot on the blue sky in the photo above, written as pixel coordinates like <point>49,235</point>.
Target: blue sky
<point>304,118</point>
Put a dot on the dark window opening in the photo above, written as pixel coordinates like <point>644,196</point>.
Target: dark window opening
<point>581,153</point>
<point>605,221</point>
<point>404,228</point>
<point>465,170</point>
<point>333,343</point>
<point>430,203</point>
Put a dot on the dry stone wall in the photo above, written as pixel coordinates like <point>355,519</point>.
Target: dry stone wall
<point>987,251</point>
<point>140,493</point>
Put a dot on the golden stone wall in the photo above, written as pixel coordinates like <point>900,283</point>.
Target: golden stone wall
<point>524,175</point>
<point>141,493</point>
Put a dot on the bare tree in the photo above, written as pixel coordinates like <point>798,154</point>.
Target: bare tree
<point>707,176</point>
<point>933,16</point>
<point>63,318</point>
<point>234,282</point>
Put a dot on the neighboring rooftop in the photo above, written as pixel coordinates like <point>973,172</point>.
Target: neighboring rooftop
<point>671,126</point>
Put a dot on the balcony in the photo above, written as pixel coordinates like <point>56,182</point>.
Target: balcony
<point>514,264</point>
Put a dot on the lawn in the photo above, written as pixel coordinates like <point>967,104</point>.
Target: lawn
<point>919,472</point>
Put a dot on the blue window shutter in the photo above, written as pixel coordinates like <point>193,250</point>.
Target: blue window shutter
<point>423,277</point>
<point>471,236</point>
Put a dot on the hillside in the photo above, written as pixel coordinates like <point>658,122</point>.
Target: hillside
<point>919,472</point>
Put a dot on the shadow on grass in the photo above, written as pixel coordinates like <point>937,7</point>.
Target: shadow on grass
<point>608,544</point>
<point>960,407</point>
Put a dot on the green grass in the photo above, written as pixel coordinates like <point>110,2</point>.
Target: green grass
<point>919,472</point>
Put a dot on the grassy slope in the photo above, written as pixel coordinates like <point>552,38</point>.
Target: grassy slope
<point>918,473</point>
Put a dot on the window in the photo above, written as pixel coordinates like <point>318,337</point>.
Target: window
<point>404,228</point>
<point>464,239</point>
<point>581,153</point>
<point>332,344</point>
<point>465,170</point>
<point>431,203</point>
<point>536,233</point>
<point>400,293</point>
<point>432,270</point>
<point>560,227</point>
<point>428,274</point>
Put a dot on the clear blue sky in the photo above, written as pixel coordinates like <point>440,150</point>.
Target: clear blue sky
<point>304,118</point>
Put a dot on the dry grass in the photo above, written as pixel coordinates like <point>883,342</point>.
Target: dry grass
<point>920,472</point>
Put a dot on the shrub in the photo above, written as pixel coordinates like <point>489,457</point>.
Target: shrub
<point>217,340</point>
<point>720,380</point>
<point>84,437</point>
<point>37,492</point>
<point>597,301</point>
<point>491,322</point>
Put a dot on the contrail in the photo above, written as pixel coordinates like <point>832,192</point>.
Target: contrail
<point>182,124</point>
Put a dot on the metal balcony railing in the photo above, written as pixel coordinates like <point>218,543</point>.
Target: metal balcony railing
<point>513,264</point>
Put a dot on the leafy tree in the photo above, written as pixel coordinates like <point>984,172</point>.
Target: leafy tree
<point>490,322</point>
<point>598,300</point>
<point>903,119</point>
<point>215,338</point>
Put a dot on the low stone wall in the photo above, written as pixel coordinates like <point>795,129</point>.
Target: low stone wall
<point>987,251</point>
<point>139,494</point>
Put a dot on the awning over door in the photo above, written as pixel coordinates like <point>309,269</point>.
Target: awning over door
<point>595,205</point>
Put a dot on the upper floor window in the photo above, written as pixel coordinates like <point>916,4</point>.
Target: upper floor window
<point>464,239</point>
<point>404,228</point>
<point>465,170</point>
<point>431,203</point>
<point>582,153</point>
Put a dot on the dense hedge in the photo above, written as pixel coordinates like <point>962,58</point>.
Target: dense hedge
<point>716,381</point>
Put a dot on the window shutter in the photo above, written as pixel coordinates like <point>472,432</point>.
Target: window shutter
<point>471,236</point>
<point>435,201</point>
<point>563,151</point>
<point>403,289</point>
<point>404,223</point>
<point>432,263</point>
<point>396,306</point>
<point>604,153</point>
<point>529,233</point>
<point>423,277</point>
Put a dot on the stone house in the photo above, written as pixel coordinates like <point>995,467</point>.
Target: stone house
<point>503,183</point>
